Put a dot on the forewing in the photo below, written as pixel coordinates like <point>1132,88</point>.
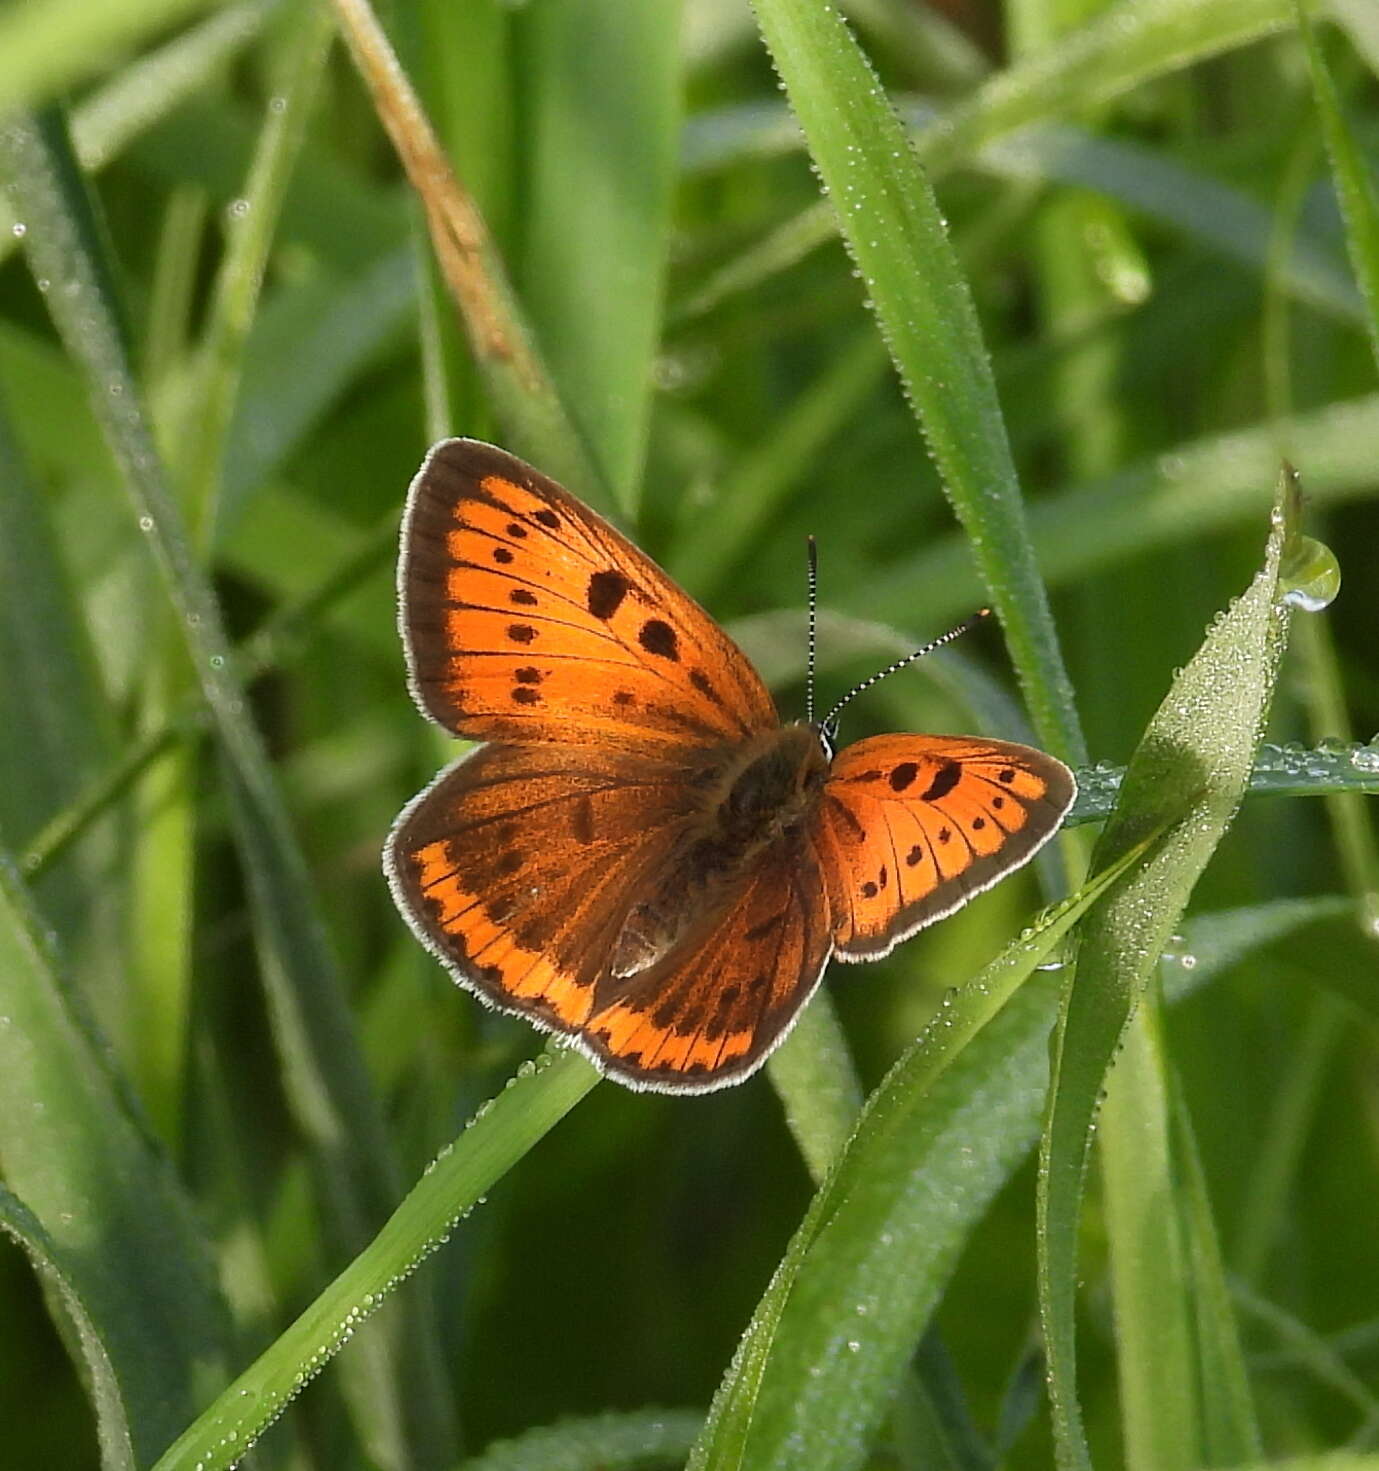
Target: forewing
<point>910,827</point>
<point>519,866</point>
<point>712,1009</point>
<point>527,617</point>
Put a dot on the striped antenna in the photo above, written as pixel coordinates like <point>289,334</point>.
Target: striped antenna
<point>831,718</point>
<point>813,630</point>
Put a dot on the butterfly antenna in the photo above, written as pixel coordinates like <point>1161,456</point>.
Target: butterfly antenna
<point>938,643</point>
<point>813,630</point>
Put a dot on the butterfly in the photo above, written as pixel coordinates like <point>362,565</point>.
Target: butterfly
<point>641,856</point>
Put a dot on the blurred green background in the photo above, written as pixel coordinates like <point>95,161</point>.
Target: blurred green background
<point>1161,272</point>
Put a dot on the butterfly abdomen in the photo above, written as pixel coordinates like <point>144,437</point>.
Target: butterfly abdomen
<point>752,796</point>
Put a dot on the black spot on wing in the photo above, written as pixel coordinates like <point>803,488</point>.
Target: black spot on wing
<point>945,779</point>
<point>704,685</point>
<point>657,637</point>
<point>605,593</point>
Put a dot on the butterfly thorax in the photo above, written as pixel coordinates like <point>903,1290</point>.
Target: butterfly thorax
<point>750,796</point>
<point>769,786</point>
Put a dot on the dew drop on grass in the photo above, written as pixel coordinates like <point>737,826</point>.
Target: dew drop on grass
<point>1365,758</point>
<point>1310,575</point>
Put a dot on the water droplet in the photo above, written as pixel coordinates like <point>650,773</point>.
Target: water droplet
<point>19,229</point>
<point>238,209</point>
<point>145,523</point>
<point>1365,758</point>
<point>1310,574</point>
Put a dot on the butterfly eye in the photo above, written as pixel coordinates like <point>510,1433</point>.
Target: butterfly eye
<point>828,736</point>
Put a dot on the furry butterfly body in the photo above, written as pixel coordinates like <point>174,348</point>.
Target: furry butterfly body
<point>642,857</point>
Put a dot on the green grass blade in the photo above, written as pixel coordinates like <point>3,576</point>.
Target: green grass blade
<point>813,1073</point>
<point>1148,181</point>
<point>1331,769</point>
<point>1123,48</point>
<point>495,1139</point>
<point>62,1281</point>
<point>110,1206</point>
<point>718,541</point>
<point>1179,496</point>
<point>1191,768</point>
<point>307,346</point>
<point>107,121</point>
<point>636,1440</point>
<point>1229,1429</point>
<point>204,421</point>
<point>1354,182</point>
<point>603,122</point>
<point>523,395</point>
<point>49,45</point>
<point>1149,1270</point>
<point>811,1378</point>
<point>1310,1349</point>
<point>57,731</point>
<point>324,1073</point>
<point>894,231</point>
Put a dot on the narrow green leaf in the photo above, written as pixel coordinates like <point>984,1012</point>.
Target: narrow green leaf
<point>1125,46</point>
<point>636,1440</point>
<point>811,1379</point>
<point>1191,770</point>
<point>1354,183</point>
<point>110,1206</point>
<point>524,397</point>
<point>1230,1431</point>
<point>497,1137</point>
<point>48,45</point>
<point>1311,1350</point>
<point>893,228</point>
<point>1155,1356</point>
<point>62,1279</point>
<point>1147,180</point>
<point>105,123</point>
<point>204,421</point>
<point>814,1076</point>
<point>1176,498</point>
<point>603,119</point>
<point>324,1073</point>
<point>1121,47</point>
<point>758,484</point>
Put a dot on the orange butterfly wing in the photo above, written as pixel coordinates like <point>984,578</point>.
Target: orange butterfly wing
<point>713,1008</point>
<point>523,868</point>
<point>527,617</point>
<point>912,826</point>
